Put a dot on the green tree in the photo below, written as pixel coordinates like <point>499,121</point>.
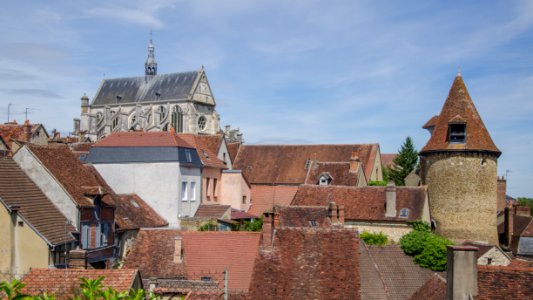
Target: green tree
<point>414,242</point>
<point>434,255</point>
<point>12,290</point>
<point>526,201</point>
<point>404,162</point>
<point>379,239</point>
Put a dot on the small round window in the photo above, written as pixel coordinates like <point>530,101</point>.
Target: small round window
<point>201,123</point>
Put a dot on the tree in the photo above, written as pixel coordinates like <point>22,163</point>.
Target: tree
<point>404,162</point>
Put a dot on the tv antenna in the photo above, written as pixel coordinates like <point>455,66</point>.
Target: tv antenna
<point>26,111</point>
<point>9,111</point>
<point>507,173</point>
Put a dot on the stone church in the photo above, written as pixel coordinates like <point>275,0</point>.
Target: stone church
<point>182,101</point>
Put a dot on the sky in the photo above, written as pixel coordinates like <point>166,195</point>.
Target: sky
<point>294,71</point>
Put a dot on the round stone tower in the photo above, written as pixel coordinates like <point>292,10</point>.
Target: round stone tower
<point>459,166</point>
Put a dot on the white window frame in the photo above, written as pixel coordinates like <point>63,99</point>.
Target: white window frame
<point>184,189</point>
<point>192,191</point>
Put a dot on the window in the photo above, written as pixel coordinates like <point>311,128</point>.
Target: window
<point>205,278</point>
<point>243,199</point>
<point>192,190</point>
<point>114,123</point>
<point>162,113</point>
<point>207,191</point>
<point>324,180</point>
<point>188,156</point>
<point>201,123</point>
<point>177,119</point>
<point>404,213</point>
<point>215,188</point>
<point>457,133</point>
<point>184,191</point>
<point>85,233</point>
<point>312,223</point>
<point>104,234</point>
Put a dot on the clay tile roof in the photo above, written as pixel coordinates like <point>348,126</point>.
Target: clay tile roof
<point>81,147</point>
<point>433,289</point>
<point>286,164</point>
<point>482,248</point>
<point>308,264</point>
<point>301,216</point>
<point>339,172</point>
<point>238,215</point>
<point>212,142</point>
<point>132,213</point>
<point>205,152</point>
<point>520,223</point>
<point>460,107</point>
<point>264,197</point>
<point>400,276</point>
<point>16,188</point>
<point>142,139</point>
<point>233,149</point>
<point>431,122</point>
<point>509,282</point>
<point>387,159</point>
<point>213,211</point>
<point>63,282</point>
<point>67,170</point>
<point>363,203</point>
<point>203,252</point>
<point>528,230</point>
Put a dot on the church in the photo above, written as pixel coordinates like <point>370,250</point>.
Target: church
<point>179,101</point>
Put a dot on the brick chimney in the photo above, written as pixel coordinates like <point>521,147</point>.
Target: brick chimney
<point>354,162</point>
<point>178,257</point>
<point>501,191</point>
<point>267,230</point>
<point>332,213</point>
<point>27,131</point>
<point>461,271</point>
<point>508,225</point>
<point>77,259</point>
<point>390,200</point>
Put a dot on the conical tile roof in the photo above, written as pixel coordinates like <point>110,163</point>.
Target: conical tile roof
<point>459,108</point>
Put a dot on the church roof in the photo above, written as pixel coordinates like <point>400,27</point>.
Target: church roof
<point>156,88</point>
<point>459,108</point>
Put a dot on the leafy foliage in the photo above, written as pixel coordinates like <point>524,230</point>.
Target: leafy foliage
<point>12,290</point>
<point>379,239</point>
<point>210,226</point>
<point>404,162</point>
<point>414,242</point>
<point>420,225</point>
<point>526,201</point>
<point>434,255</point>
<point>377,183</point>
<point>255,225</point>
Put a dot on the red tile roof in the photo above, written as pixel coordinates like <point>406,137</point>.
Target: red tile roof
<point>67,170</point>
<point>433,289</point>
<point>308,264</point>
<point>16,188</point>
<point>213,211</point>
<point>339,172</point>
<point>238,215</point>
<point>204,149</point>
<point>460,107</point>
<point>13,131</point>
<point>264,197</point>
<point>203,252</point>
<point>301,216</point>
<point>132,213</point>
<point>142,139</point>
<point>387,159</point>
<point>431,122</point>
<point>505,282</point>
<point>212,142</point>
<point>286,164</point>
<point>233,149</point>
<point>364,203</point>
<point>63,282</point>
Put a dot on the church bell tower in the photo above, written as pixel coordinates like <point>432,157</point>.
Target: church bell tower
<point>150,66</point>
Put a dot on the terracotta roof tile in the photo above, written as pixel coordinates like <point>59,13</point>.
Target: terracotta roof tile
<point>212,142</point>
<point>16,188</point>
<point>308,264</point>
<point>301,216</point>
<point>13,131</point>
<point>363,203</point>
<point>142,139</point>
<point>387,159</point>
<point>505,282</point>
<point>339,172</point>
<point>204,149</point>
<point>63,282</point>
<point>482,248</point>
<point>264,197</point>
<point>233,149</point>
<point>459,107</point>
<point>431,122</point>
<point>238,215</point>
<point>528,230</point>
<point>286,164</point>
<point>133,213</point>
<point>433,289</point>
<point>213,211</point>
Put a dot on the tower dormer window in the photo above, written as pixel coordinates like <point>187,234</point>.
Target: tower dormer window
<point>457,133</point>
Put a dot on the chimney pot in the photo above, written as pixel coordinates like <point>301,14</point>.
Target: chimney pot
<point>177,250</point>
<point>390,200</point>
<point>267,230</point>
<point>77,258</point>
<point>461,272</point>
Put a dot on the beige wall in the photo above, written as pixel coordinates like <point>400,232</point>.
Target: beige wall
<point>498,258</point>
<point>235,191</point>
<point>394,232</point>
<point>22,248</point>
<point>210,192</point>
<point>39,137</point>
<point>377,172</point>
<point>462,195</point>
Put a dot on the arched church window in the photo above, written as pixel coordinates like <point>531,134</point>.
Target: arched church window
<point>177,119</point>
<point>201,123</point>
<point>163,113</point>
<point>99,117</point>
<point>114,123</point>
<point>133,119</point>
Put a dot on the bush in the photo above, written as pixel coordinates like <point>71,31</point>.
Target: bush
<point>379,239</point>
<point>377,183</point>
<point>420,225</point>
<point>434,255</point>
<point>254,225</point>
<point>414,242</point>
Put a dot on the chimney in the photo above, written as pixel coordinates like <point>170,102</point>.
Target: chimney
<point>354,162</point>
<point>501,191</point>
<point>27,130</point>
<point>461,271</point>
<point>178,257</point>
<point>267,230</point>
<point>340,214</point>
<point>77,259</point>
<point>84,104</point>
<point>332,213</point>
<point>390,200</point>
<point>508,225</point>
<point>523,211</point>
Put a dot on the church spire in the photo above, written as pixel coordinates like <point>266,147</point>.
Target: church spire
<point>150,66</point>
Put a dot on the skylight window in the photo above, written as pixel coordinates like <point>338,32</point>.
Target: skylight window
<point>312,223</point>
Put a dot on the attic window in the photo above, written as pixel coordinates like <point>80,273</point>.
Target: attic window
<point>312,223</point>
<point>205,278</point>
<point>457,133</point>
<point>188,156</point>
<point>404,213</point>
<point>324,180</point>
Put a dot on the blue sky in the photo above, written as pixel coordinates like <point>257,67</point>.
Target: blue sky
<point>288,71</point>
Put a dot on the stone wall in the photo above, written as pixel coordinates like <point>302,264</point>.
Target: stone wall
<point>462,194</point>
<point>394,232</point>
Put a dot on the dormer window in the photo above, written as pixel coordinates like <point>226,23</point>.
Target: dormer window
<point>404,213</point>
<point>457,133</point>
<point>324,179</point>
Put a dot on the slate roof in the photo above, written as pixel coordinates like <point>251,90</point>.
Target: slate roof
<point>400,276</point>
<point>264,197</point>
<point>203,252</point>
<point>372,285</point>
<point>67,170</point>
<point>301,216</point>
<point>307,263</point>
<point>364,203</point>
<point>459,107</point>
<point>170,87</point>
<point>63,282</point>
<point>339,172</point>
<point>16,188</point>
<point>433,289</point>
<point>212,211</point>
<point>132,213</point>
<point>286,164</point>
